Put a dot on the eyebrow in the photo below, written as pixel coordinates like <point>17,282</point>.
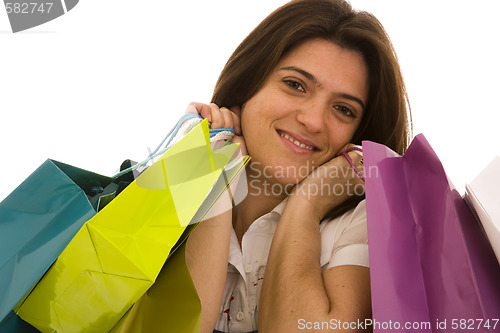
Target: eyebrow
<point>308,75</point>
<point>312,78</point>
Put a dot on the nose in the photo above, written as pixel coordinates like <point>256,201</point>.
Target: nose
<point>312,117</point>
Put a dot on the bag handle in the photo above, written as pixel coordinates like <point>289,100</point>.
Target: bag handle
<point>214,133</point>
<point>350,161</point>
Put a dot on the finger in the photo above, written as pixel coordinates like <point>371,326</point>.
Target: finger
<point>191,108</point>
<point>228,118</point>
<point>200,108</point>
<point>217,118</point>
<point>236,114</point>
<point>350,147</point>
<point>343,149</point>
<point>355,153</point>
<point>357,163</point>
<point>353,158</point>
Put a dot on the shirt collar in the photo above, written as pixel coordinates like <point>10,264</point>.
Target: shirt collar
<point>280,207</point>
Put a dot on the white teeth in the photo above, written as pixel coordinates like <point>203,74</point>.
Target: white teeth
<point>295,142</point>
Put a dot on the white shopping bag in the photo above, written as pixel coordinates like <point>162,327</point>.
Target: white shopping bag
<point>483,196</point>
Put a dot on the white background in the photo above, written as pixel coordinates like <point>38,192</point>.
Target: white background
<point>109,79</point>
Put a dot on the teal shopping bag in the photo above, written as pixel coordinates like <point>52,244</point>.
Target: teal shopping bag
<point>37,220</point>
<point>13,324</point>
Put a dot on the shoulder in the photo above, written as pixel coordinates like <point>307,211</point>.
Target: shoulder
<point>350,219</point>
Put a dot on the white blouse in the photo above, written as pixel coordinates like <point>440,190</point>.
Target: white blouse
<point>344,241</point>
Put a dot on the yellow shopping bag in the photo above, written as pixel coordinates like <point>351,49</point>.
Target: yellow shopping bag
<point>170,305</point>
<point>118,254</point>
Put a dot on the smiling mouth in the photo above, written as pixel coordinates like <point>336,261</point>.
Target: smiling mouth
<point>296,142</point>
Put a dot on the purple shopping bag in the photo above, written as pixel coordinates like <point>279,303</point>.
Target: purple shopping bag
<point>432,268</point>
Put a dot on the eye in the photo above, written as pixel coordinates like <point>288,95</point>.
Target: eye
<point>345,111</point>
<point>296,85</point>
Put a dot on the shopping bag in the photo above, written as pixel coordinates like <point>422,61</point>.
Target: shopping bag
<point>117,255</point>
<point>13,324</point>
<point>170,305</point>
<point>483,197</point>
<point>431,267</point>
<point>37,221</point>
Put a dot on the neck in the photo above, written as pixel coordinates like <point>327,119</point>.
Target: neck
<point>259,201</point>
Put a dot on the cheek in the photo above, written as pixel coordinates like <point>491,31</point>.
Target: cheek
<point>251,126</point>
<point>247,120</point>
<point>254,114</point>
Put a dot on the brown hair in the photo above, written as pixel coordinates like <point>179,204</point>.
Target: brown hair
<point>387,117</point>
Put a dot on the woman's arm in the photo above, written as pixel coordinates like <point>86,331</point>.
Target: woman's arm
<point>207,252</point>
<point>296,294</point>
<point>207,249</point>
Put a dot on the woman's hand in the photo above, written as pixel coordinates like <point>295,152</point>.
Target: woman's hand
<point>306,292</point>
<point>222,117</point>
<point>330,184</point>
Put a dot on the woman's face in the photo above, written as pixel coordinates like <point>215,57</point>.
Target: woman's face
<point>306,111</point>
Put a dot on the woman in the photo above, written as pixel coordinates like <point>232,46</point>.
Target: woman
<point>312,80</point>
